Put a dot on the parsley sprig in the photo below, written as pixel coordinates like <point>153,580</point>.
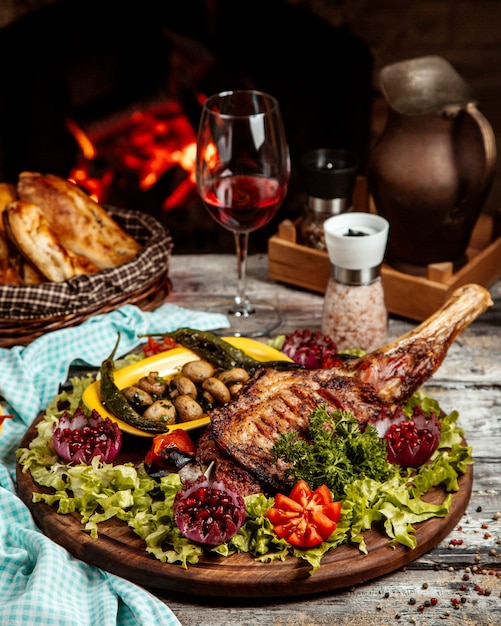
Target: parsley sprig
<point>337,452</point>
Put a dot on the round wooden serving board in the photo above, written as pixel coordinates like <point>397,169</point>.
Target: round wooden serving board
<point>120,551</point>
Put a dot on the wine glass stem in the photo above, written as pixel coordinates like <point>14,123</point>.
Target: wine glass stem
<point>242,306</point>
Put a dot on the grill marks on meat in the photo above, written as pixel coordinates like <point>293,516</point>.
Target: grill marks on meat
<point>289,410</point>
<point>274,403</point>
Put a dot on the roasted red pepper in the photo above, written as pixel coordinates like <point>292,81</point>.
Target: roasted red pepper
<point>153,346</point>
<point>169,452</point>
<point>305,518</point>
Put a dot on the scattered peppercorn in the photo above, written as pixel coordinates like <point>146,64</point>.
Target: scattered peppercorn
<point>455,542</point>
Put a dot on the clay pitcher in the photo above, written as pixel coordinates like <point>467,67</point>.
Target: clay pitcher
<point>432,168</point>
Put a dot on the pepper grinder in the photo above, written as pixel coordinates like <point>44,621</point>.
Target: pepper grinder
<point>329,179</point>
<point>355,313</point>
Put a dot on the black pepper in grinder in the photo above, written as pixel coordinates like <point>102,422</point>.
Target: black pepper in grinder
<point>328,177</point>
<point>355,313</point>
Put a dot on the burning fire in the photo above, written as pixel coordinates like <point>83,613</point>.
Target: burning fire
<point>141,148</point>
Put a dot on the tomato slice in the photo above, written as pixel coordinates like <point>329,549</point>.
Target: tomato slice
<point>288,503</point>
<point>305,518</point>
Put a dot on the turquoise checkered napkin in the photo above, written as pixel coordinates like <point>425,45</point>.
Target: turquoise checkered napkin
<point>40,582</point>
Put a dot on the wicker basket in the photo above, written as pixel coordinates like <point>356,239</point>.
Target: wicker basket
<point>29,311</point>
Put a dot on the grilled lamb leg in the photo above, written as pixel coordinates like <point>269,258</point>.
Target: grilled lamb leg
<point>275,402</point>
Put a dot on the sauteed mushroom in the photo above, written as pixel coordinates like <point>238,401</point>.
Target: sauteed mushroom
<point>235,375</point>
<point>153,384</point>
<point>217,389</point>
<point>234,379</point>
<point>184,386</point>
<point>235,389</point>
<point>198,371</point>
<point>138,398</point>
<point>187,409</point>
<point>161,411</point>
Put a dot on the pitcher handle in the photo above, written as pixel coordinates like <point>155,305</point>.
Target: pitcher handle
<point>489,139</point>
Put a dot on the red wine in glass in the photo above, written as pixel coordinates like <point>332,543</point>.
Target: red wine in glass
<point>244,203</point>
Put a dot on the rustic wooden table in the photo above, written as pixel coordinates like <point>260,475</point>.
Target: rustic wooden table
<point>459,581</point>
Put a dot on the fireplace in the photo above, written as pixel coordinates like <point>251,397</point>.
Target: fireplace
<point>96,77</point>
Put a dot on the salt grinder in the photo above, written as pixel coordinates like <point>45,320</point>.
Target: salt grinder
<point>329,178</point>
<point>355,313</point>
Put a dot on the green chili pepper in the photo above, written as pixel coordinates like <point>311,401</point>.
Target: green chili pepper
<point>115,401</point>
<point>219,352</point>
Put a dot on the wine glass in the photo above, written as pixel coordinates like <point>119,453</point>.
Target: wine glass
<point>242,172</point>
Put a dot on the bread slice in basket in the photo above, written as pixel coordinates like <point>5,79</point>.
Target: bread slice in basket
<point>10,261</point>
<point>80,224</point>
<point>29,229</point>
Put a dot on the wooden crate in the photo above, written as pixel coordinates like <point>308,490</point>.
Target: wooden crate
<point>413,297</point>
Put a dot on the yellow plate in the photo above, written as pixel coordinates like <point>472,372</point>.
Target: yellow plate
<point>167,364</point>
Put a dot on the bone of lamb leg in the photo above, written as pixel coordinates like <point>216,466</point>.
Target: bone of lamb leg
<point>403,365</point>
